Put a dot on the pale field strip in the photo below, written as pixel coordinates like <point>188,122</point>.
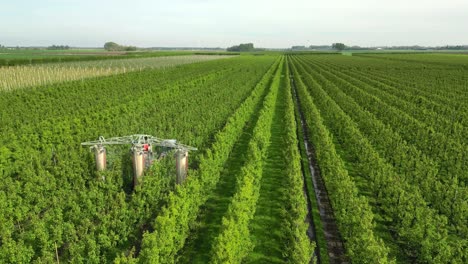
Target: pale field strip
<point>15,77</point>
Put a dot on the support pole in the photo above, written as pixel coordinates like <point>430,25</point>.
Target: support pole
<point>56,253</point>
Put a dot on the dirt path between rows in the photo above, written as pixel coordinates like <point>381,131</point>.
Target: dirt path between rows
<point>336,251</point>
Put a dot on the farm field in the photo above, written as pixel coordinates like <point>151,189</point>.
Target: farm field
<point>13,57</point>
<point>431,58</point>
<point>15,77</point>
<point>302,158</point>
<point>391,134</point>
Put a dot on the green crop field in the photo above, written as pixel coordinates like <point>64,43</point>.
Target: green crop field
<point>43,74</point>
<point>302,158</point>
<point>14,57</point>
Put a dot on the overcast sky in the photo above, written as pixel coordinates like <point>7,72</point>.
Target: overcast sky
<point>216,23</point>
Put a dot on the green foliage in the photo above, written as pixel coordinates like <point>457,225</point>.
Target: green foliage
<point>395,155</point>
<point>389,134</point>
<point>300,249</point>
<point>28,57</point>
<point>34,75</point>
<point>58,47</point>
<point>338,46</point>
<point>352,211</point>
<point>50,193</point>
<point>434,169</point>
<point>233,243</point>
<point>171,227</point>
<point>112,46</point>
<point>242,47</point>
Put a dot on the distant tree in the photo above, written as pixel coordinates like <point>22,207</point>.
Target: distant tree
<point>112,46</point>
<point>242,47</point>
<point>246,47</point>
<point>338,46</point>
<point>233,48</point>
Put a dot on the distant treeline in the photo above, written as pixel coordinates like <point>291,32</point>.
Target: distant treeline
<point>242,47</point>
<point>458,47</point>
<point>216,53</point>
<point>414,47</point>
<point>245,47</point>
<point>58,47</point>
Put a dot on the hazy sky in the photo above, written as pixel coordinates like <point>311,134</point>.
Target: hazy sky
<point>199,23</point>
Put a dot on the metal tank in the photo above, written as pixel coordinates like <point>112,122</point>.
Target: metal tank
<point>101,159</point>
<point>138,160</point>
<point>181,165</point>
